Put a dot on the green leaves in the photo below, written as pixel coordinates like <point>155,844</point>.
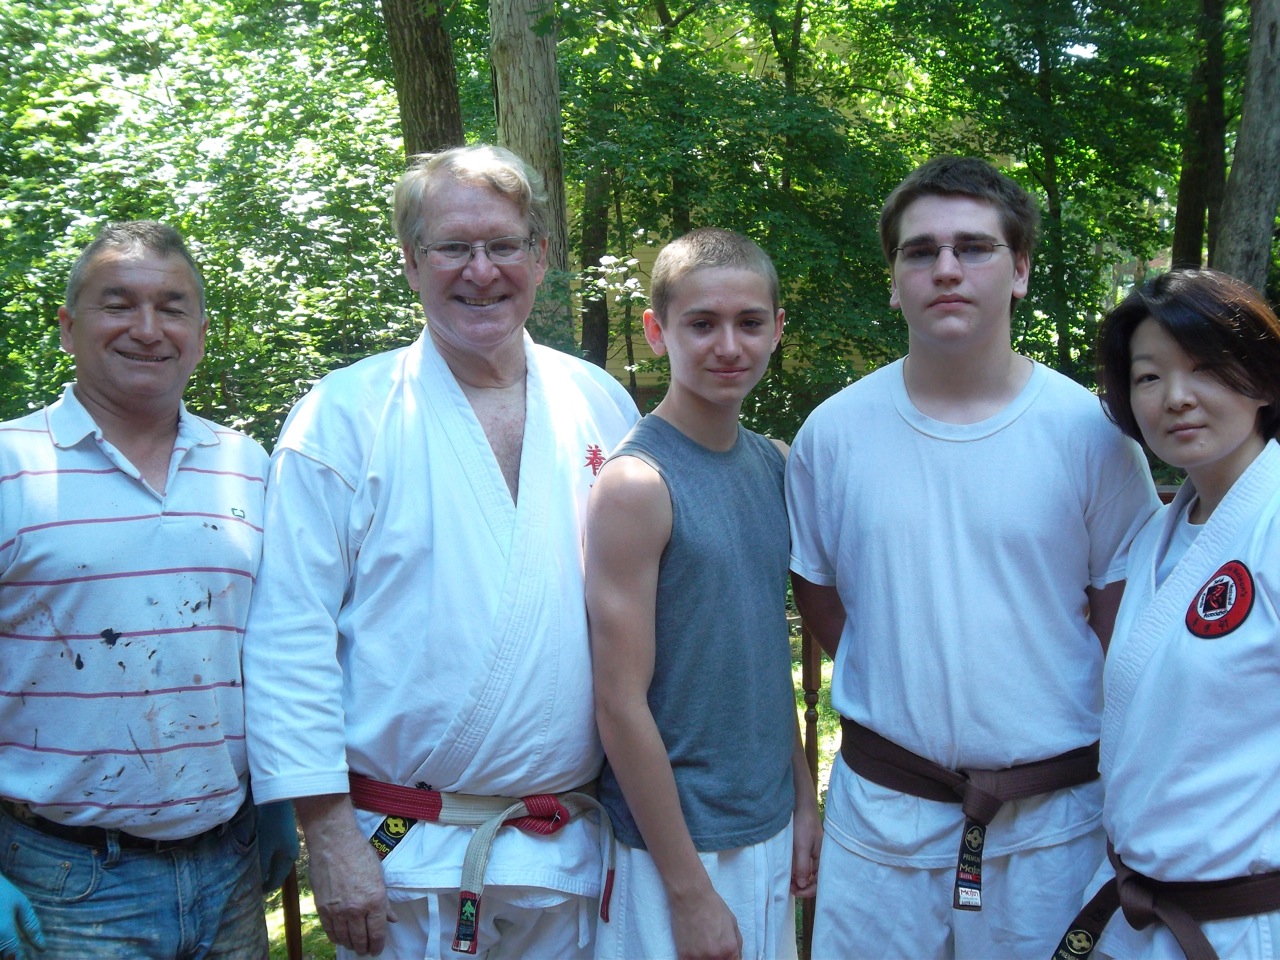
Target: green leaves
<point>267,131</point>
<point>256,130</point>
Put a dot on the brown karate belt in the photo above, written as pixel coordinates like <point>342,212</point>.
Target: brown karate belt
<point>544,814</point>
<point>981,793</point>
<point>1180,906</point>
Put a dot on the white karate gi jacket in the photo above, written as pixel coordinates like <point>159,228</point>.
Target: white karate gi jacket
<point>413,624</point>
<point>1191,724</point>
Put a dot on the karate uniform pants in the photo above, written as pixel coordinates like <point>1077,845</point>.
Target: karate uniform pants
<point>869,910</point>
<point>515,923</point>
<point>754,882</point>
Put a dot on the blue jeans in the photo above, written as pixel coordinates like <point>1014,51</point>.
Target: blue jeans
<point>201,901</point>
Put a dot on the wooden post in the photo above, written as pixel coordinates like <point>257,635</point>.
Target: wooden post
<point>292,915</point>
<point>811,681</point>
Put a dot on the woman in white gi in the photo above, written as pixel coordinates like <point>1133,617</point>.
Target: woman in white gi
<point>1190,756</point>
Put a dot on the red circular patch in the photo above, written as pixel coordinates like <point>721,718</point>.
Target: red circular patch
<point>1222,603</point>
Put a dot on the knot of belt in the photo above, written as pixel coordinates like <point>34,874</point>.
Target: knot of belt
<point>981,793</point>
<point>543,814</point>
<point>1180,905</point>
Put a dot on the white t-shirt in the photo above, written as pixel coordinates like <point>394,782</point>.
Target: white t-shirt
<point>962,553</point>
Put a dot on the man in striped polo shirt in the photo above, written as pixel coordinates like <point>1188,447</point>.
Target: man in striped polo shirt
<point>130,534</point>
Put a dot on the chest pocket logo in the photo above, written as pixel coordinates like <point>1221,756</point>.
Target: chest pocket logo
<point>1223,602</point>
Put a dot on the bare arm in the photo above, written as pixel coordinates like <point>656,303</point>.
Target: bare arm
<point>346,875</point>
<point>806,839</point>
<point>821,610</point>
<point>1104,604</point>
<point>628,526</point>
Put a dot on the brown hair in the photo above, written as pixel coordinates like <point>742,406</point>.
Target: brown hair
<point>701,249</point>
<point>964,177</point>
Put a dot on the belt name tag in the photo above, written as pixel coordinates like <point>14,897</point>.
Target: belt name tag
<point>464,935</point>
<point>389,833</point>
<point>968,894</point>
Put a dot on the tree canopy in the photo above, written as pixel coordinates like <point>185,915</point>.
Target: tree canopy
<point>269,132</point>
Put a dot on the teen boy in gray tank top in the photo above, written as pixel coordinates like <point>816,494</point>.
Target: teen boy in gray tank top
<point>687,554</point>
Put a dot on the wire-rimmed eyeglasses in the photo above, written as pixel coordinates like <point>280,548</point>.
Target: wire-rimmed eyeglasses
<point>924,253</point>
<point>457,253</point>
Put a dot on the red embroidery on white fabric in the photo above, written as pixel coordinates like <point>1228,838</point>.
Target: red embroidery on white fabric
<point>595,458</point>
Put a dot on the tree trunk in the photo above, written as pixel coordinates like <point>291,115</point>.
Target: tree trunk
<point>1253,188</point>
<point>1058,303</point>
<point>595,244</point>
<point>1203,174</point>
<point>526,98</point>
<point>1215,133</point>
<point>426,84</point>
<point>685,187</point>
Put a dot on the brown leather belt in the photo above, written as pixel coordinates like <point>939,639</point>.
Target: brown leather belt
<point>981,793</point>
<point>96,836</point>
<point>1181,906</point>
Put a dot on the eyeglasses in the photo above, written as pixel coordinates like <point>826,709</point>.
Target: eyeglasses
<point>924,253</point>
<point>457,253</point>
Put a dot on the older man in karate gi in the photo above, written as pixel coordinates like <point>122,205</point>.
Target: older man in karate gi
<point>416,659</point>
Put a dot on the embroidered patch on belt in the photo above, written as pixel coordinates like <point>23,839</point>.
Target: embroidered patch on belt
<point>968,892</point>
<point>1075,943</point>
<point>464,935</point>
<point>1223,603</point>
<point>389,833</point>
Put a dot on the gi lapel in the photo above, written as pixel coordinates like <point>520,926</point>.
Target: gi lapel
<point>1162,607</point>
<point>527,602</point>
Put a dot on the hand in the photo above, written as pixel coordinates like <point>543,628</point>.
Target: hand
<point>277,843</point>
<point>18,921</point>
<point>346,876</point>
<point>705,928</point>
<point>806,847</point>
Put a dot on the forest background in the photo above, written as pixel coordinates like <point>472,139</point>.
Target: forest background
<point>270,131</point>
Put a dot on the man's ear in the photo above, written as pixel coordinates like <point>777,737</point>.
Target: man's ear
<point>653,333</point>
<point>1021,275</point>
<point>65,320</point>
<point>204,333</point>
<point>410,266</point>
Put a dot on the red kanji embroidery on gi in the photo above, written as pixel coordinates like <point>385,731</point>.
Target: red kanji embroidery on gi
<point>595,458</point>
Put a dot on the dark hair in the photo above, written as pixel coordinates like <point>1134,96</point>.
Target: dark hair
<point>701,249</point>
<point>131,236</point>
<point>964,177</point>
<point>1216,319</point>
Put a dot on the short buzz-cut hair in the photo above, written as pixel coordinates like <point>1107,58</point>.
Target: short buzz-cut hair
<point>1217,320</point>
<point>702,249</point>
<point>964,177</point>
<point>131,236</point>
<point>494,167</point>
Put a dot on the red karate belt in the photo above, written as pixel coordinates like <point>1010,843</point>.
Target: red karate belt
<point>543,814</point>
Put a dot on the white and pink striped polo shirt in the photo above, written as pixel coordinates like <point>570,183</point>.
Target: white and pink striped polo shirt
<point>121,619</point>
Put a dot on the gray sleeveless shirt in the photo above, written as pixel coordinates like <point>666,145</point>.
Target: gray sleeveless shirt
<point>721,693</point>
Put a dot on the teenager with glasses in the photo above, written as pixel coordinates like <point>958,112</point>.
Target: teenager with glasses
<point>958,520</point>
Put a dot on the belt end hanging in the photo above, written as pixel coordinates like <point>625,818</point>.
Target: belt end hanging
<point>464,935</point>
